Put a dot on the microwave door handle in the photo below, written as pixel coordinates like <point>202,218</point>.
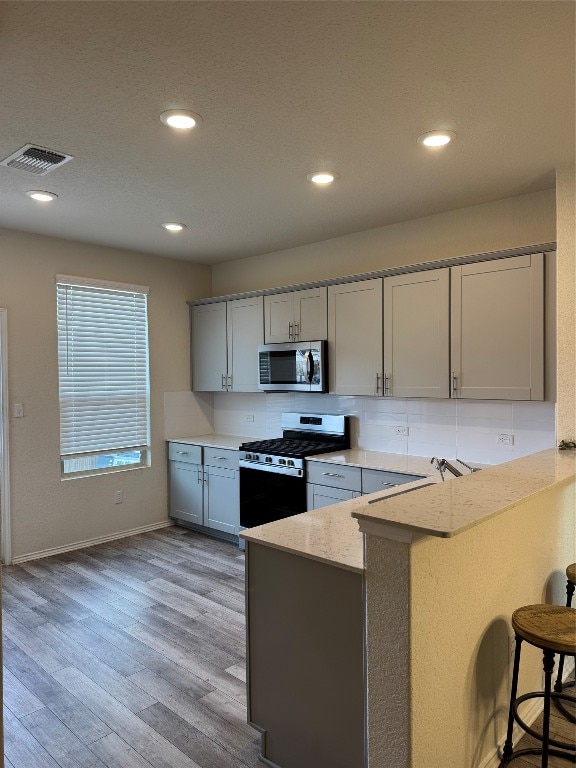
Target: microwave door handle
<point>310,366</point>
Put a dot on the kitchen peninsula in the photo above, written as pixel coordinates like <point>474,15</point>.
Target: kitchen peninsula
<point>358,636</point>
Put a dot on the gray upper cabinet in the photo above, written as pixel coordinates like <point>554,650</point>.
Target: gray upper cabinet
<point>355,337</point>
<point>225,339</point>
<point>296,316</point>
<point>209,347</point>
<point>497,316</point>
<point>417,334</point>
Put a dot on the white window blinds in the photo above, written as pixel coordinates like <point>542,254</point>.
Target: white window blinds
<point>103,367</point>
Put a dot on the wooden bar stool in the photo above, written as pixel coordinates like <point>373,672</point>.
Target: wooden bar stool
<point>553,629</point>
<point>559,686</point>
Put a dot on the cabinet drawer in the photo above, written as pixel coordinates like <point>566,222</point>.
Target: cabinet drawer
<point>221,457</point>
<point>189,454</point>
<point>318,496</point>
<point>334,475</point>
<point>378,480</point>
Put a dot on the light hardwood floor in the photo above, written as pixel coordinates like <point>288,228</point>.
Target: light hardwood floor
<point>131,655</point>
<point>128,655</point>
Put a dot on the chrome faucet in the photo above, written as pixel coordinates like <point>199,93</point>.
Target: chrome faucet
<point>443,464</point>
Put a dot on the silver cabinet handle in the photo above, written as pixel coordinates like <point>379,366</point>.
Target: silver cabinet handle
<point>296,331</point>
<point>199,476</point>
<point>229,381</point>
<point>332,474</point>
<point>291,331</point>
<point>454,384</point>
<point>378,383</point>
<point>205,476</point>
<point>223,381</point>
<point>183,453</point>
<point>386,384</point>
<point>389,485</point>
<point>220,458</point>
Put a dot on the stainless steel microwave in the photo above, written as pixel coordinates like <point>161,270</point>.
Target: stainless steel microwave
<point>299,366</point>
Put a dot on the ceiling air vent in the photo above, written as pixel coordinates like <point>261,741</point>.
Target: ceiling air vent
<point>36,160</point>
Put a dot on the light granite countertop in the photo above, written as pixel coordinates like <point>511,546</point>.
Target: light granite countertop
<point>214,441</point>
<point>393,462</point>
<point>432,507</point>
<point>447,509</point>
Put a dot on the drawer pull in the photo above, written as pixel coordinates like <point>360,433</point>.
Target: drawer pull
<point>183,453</point>
<point>332,474</point>
<point>220,458</point>
<point>389,485</point>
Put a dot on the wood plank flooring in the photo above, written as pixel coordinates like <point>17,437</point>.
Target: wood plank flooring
<point>131,655</point>
<point>128,655</point>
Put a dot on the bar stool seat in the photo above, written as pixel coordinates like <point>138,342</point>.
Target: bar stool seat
<point>552,628</point>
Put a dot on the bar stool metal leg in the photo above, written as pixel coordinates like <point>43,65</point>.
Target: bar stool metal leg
<point>559,685</point>
<point>508,747</point>
<point>548,668</point>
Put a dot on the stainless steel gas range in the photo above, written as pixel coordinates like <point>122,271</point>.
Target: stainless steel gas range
<point>273,472</point>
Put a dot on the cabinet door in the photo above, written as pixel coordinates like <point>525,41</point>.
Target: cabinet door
<point>417,334</point>
<point>355,338</point>
<point>209,366</point>
<point>279,318</point>
<point>498,329</point>
<point>311,314</point>
<point>245,333</point>
<point>222,499</point>
<point>318,496</point>
<point>186,491</point>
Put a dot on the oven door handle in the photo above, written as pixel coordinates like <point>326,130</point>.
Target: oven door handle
<point>293,471</point>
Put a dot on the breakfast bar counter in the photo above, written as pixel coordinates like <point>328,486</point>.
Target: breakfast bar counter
<point>365,617</point>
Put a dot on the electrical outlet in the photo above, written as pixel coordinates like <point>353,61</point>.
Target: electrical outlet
<point>505,439</point>
<point>401,431</point>
<point>18,410</point>
<point>118,497</point>
<point>249,417</point>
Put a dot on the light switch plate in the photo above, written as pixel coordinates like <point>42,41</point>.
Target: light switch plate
<point>18,410</point>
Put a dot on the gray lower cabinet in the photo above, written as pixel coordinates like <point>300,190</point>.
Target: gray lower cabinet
<point>204,486</point>
<point>332,483</point>
<point>305,652</point>
<point>221,499</point>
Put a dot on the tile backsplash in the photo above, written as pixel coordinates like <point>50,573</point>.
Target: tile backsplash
<point>464,429</point>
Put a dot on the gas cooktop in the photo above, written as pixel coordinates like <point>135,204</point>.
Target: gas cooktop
<point>304,434</point>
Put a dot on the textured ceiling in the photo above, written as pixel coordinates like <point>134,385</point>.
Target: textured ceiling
<point>284,88</point>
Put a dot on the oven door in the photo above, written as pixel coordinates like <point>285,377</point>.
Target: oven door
<point>267,496</point>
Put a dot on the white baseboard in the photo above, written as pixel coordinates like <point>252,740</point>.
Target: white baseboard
<point>529,715</point>
<point>89,542</point>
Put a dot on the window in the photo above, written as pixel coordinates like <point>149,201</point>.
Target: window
<point>103,376</point>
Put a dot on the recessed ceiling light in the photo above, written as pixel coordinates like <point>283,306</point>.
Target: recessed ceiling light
<point>182,119</point>
<point>173,226</point>
<point>436,138</point>
<point>322,177</point>
<point>42,197</point>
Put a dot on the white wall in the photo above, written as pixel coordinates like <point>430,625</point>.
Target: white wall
<point>510,223</point>
<point>566,338</point>
<point>47,511</point>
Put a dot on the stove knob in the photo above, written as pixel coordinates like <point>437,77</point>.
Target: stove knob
<point>255,457</point>
<point>247,456</point>
<point>290,463</point>
<point>268,459</point>
<point>282,461</point>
